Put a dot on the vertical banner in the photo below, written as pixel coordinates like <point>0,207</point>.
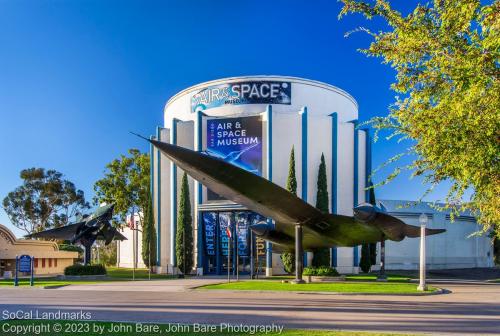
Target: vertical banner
<point>242,225</point>
<point>224,221</point>
<point>209,229</point>
<point>237,141</point>
<point>260,244</point>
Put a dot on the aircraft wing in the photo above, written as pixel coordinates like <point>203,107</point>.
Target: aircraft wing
<point>414,231</point>
<point>116,235</point>
<point>62,233</point>
<point>242,187</point>
<point>270,200</point>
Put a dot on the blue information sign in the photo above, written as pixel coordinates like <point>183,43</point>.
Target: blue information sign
<point>25,264</point>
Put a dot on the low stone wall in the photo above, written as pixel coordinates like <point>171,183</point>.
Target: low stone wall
<point>313,278</point>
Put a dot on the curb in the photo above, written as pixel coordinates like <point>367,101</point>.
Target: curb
<point>438,291</point>
<point>33,287</point>
<point>54,286</point>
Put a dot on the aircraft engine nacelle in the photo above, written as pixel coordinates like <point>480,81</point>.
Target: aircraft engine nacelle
<point>365,213</point>
<point>267,232</point>
<point>372,215</point>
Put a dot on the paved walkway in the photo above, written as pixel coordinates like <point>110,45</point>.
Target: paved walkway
<point>162,286</point>
<point>469,309</point>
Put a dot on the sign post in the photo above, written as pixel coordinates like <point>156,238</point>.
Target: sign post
<point>252,265</point>
<point>16,277</point>
<point>229,259</point>
<point>228,232</point>
<point>237,257</point>
<point>32,278</point>
<point>24,264</point>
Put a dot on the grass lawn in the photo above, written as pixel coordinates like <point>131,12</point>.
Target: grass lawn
<point>350,277</point>
<point>373,277</point>
<point>114,274</point>
<point>91,328</point>
<point>126,274</point>
<point>340,287</point>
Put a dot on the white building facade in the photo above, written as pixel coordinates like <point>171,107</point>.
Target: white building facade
<point>129,251</point>
<point>458,247</point>
<point>261,118</point>
<point>254,122</point>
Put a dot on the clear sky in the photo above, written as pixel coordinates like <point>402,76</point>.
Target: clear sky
<point>77,76</point>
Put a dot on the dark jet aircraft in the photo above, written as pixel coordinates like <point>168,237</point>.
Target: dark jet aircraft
<point>86,230</point>
<point>298,225</point>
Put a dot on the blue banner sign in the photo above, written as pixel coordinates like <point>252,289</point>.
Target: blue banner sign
<point>252,92</point>
<point>224,223</point>
<point>209,229</point>
<point>237,141</point>
<point>242,224</point>
<point>25,264</point>
<point>260,244</point>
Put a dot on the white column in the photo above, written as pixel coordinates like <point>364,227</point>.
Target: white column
<point>423,221</point>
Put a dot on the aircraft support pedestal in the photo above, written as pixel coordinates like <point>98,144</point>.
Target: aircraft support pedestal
<point>381,275</point>
<point>299,252</point>
<point>87,254</point>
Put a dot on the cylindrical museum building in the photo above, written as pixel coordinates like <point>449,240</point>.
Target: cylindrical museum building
<point>255,122</point>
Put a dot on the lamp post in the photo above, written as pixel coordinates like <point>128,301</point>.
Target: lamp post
<point>423,223</point>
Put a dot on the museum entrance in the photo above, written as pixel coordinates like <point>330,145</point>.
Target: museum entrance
<point>218,226</point>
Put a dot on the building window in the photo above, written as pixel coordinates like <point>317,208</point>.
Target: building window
<point>55,262</point>
<point>43,262</point>
<point>36,262</point>
<point>50,262</point>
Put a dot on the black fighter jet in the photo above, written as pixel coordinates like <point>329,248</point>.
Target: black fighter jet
<point>86,230</point>
<point>298,225</point>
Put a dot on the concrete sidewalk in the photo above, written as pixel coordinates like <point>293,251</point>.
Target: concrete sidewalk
<point>471,309</point>
<point>173,285</point>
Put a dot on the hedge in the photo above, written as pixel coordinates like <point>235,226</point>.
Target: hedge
<point>78,269</point>
<point>72,248</point>
<point>320,271</point>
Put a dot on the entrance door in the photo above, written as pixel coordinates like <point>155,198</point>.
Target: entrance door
<point>216,242</point>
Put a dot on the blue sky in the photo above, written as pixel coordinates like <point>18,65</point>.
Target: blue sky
<point>76,76</point>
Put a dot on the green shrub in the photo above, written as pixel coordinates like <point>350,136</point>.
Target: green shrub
<point>288,260</point>
<point>72,248</point>
<point>78,269</point>
<point>320,271</point>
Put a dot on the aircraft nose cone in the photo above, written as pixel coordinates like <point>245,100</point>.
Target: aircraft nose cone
<point>260,229</point>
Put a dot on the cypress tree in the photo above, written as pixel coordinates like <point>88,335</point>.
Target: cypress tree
<point>184,236</point>
<point>288,258</point>
<point>322,187</point>
<point>322,256</point>
<point>365,262</point>
<point>149,235</point>
<point>291,181</point>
